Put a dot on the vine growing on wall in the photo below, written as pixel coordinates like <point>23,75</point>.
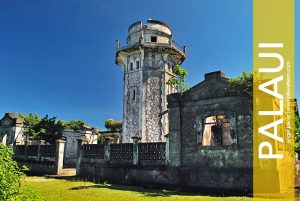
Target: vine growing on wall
<point>179,80</point>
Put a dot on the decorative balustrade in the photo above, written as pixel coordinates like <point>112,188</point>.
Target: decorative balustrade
<point>35,151</point>
<point>126,153</point>
<point>32,150</point>
<point>93,151</point>
<point>152,151</point>
<point>47,150</point>
<point>121,151</point>
<point>20,150</point>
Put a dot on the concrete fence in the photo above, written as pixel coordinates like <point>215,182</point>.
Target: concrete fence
<point>125,154</point>
<point>41,158</point>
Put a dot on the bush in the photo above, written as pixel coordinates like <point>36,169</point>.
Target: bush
<point>10,174</point>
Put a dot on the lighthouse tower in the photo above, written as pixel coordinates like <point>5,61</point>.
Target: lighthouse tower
<point>147,61</point>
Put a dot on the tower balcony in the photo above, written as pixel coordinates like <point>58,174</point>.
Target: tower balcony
<point>174,50</point>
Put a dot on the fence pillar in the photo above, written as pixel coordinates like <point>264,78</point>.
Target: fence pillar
<point>135,149</point>
<point>167,147</point>
<point>107,148</point>
<point>41,142</point>
<point>80,142</point>
<point>59,156</point>
<point>27,142</point>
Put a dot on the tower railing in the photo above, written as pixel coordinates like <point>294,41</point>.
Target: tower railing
<point>172,44</point>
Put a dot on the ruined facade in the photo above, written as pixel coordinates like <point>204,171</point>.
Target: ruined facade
<point>11,129</point>
<point>147,61</point>
<point>211,135</point>
<point>208,148</point>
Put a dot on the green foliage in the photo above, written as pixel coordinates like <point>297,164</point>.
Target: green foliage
<point>179,81</point>
<point>75,124</point>
<point>30,122</point>
<point>10,174</point>
<point>47,128</point>
<point>297,134</point>
<point>29,194</point>
<point>112,124</point>
<point>241,85</point>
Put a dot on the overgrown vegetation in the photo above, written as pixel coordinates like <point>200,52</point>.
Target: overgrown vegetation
<point>241,85</point>
<point>297,134</point>
<point>10,174</point>
<point>47,128</point>
<point>113,125</point>
<point>179,81</point>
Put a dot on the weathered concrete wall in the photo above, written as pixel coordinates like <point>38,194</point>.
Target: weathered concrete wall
<point>39,167</point>
<point>211,166</point>
<point>225,181</point>
<point>11,130</point>
<point>71,145</point>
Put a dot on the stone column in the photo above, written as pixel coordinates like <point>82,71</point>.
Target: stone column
<point>135,149</point>
<point>80,143</point>
<point>59,156</point>
<point>167,147</point>
<point>27,143</point>
<point>41,142</point>
<point>107,148</point>
<point>174,137</point>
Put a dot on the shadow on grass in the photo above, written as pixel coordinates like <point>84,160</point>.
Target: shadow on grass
<point>151,190</point>
<point>147,192</point>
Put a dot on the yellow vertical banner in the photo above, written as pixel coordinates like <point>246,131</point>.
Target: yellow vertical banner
<point>273,96</point>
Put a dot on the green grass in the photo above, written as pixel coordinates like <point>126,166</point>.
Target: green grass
<point>59,189</point>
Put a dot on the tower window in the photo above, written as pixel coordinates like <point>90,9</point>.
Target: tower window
<point>137,63</point>
<point>133,95</point>
<point>131,66</point>
<point>154,39</point>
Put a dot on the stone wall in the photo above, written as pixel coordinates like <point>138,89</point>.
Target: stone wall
<point>11,130</point>
<point>190,164</point>
<point>218,165</point>
<point>41,159</point>
<point>71,137</point>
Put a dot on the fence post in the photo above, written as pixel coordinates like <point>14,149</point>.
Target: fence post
<point>59,156</point>
<point>135,149</point>
<point>80,143</point>
<point>107,149</point>
<point>167,147</point>
<point>27,142</point>
<point>41,142</point>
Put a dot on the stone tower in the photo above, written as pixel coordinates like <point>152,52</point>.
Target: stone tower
<point>147,61</point>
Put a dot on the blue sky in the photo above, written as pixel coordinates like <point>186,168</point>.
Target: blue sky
<point>57,57</point>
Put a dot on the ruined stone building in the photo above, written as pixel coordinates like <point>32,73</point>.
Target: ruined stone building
<point>11,129</point>
<point>147,60</point>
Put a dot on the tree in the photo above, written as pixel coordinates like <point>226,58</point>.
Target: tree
<point>47,128</point>
<point>30,122</point>
<point>179,80</point>
<point>75,124</point>
<point>241,85</point>
<point>113,125</point>
<point>10,174</point>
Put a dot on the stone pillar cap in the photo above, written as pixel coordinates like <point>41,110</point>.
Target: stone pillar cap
<point>136,136</point>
